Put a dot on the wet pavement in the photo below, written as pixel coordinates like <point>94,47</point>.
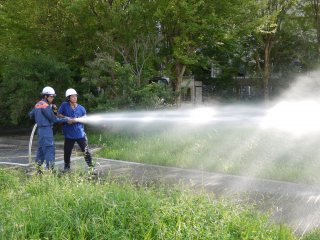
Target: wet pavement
<point>296,205</point>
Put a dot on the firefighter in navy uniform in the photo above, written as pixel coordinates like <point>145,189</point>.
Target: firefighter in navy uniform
<point>75,132</point>
<point>45,118</point>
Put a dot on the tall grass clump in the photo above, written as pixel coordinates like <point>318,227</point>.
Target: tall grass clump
<point>72,207</point>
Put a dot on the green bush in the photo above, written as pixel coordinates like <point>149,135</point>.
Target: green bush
<point>153,96</point>
<point>122,88</point>
<point>23,77</point>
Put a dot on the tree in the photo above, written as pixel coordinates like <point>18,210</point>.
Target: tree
<point>315,6</point>
<point>135,54</point>
<point>296,47</point>
<point>272,14</point>
<point>183,26</point>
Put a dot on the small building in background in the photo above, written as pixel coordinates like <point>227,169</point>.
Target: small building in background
<point>246,88</point>
<point>191,91</point>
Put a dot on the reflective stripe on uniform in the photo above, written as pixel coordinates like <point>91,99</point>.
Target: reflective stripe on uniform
<point>41,104</point>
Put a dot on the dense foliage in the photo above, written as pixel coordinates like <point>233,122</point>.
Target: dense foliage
<point>120,45</point>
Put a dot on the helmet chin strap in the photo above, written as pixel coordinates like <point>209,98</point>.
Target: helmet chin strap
<point>46,98</point>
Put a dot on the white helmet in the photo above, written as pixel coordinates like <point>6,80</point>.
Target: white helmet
<point>48,91</point>
<point>70,92</point>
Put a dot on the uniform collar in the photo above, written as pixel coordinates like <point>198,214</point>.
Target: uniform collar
<point>75,106</point>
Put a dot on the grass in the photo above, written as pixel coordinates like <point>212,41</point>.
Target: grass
<point>72,207</point>
<point>315,235</point>
<point>242,151</point>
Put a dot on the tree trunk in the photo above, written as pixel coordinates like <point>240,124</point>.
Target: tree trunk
<point>277,9</point>
<point>110,2</point>
<point>266,68</point>
<point>266,73</point>
<point>179,69</point>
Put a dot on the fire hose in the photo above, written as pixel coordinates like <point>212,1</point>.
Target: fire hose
<point>55,110</point>
<point>30,147</point>
<point>30,143</point>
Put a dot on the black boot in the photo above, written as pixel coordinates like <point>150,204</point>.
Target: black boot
<point>39,169</point>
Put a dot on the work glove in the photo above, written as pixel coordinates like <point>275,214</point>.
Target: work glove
<point>72,120</point>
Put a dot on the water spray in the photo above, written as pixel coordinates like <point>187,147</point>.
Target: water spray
<point>197,116</point>
<point>296,117</point>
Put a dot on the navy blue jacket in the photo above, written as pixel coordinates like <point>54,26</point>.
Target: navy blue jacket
<point>45,118</point>
<point>76,130</point>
